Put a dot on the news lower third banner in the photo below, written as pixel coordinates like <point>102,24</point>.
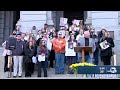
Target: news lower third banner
<point>99,70</point>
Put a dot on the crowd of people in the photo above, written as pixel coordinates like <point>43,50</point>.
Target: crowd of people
<point>51,48</point>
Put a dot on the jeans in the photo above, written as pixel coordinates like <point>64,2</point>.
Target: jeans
<point>42,65</point>
<point>66,61</point>
<point>59,63</point>
<point>87,59</point>
<point>79,59</point>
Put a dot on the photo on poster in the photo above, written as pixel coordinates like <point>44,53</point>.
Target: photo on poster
<point>70,45</point>
<point>104,45</point>
<point>63,21</point>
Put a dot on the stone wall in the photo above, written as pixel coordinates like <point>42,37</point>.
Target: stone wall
<point>58,15</point>
<point>6,25</point>
<point>32,18</point>
<point>1,26</point>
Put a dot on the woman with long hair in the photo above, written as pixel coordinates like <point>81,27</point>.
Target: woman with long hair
<point>32,39</point>
<point>29,53</point>
<point>42,51</point>
<point>70,53</point>
<point>101,33</point>
<point>106,53</point>
<point>52,53</point>
<point>67,37</point>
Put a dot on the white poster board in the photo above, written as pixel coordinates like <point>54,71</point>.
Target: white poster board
<point>41,58</point>
<point>104,45</point>
<point>63,21</point>
<point>75,21</point>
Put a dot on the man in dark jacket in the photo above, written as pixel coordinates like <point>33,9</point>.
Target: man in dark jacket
<point>18,53</point>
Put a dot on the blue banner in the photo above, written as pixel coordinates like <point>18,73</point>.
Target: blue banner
<point>99,70</point>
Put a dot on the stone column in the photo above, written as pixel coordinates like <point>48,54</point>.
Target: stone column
<point>2,15</point>
<point>8,24</point>
<point>49,18</point>
<point>89,18</point>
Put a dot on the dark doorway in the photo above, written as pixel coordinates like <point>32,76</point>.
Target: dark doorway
<point>16,18</point>
<point>71,15</point>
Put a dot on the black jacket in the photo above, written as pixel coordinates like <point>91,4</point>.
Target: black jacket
<point>108,51</point>
<point>29,53</point>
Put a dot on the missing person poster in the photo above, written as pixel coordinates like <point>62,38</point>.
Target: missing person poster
<point>63,21</point>
<point>70,45</point>
<point>104,45</point>
<point>75,21</point>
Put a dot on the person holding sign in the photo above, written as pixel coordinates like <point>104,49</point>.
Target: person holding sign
<point>106,45</point>
<point>42,61</point>
<point>66,37</point>
<point>63,21</point>
<point>52,53</point>
<point>69,51</point>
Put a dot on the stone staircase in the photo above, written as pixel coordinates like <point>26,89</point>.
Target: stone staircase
<point>51,73</point>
